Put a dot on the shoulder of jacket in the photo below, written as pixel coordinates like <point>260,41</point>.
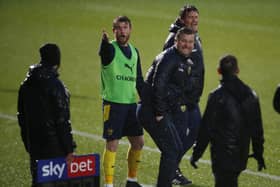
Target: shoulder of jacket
<point>219,94</point>
<point>55,84</point>
<point>159,56</point>
<point>254,93</point>
<point>217,90</point>
<point>252,98</point>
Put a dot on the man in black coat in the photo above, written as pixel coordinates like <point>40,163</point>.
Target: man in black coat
<point>43,111</point>
<point>163,94</point>
<point>231,120</point>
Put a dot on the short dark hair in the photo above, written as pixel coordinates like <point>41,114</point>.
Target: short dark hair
<point>186,9</point>
<point>228,65</point>
<point>121,19</point>
<point>183,30</point>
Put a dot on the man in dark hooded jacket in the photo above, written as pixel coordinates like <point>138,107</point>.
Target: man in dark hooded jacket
<point>43,111</point>
<point>189,18</point>
<point>163,96</point>
<point>231,120</point>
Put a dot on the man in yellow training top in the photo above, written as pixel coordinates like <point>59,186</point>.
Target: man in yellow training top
<point>121,77</point>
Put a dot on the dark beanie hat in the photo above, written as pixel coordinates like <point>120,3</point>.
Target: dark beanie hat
<point>50,54</point>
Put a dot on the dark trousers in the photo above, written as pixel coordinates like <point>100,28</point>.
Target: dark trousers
<point>226,178</point>
<point>166,138</point>
<point>187,124</point>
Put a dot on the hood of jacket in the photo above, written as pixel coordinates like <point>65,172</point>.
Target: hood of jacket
<point>236,87</point>
<point>174,27</point>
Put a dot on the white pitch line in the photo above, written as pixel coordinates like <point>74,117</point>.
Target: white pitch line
<point>99,138</point>
<point>9,117</point>
<point>247,171</point>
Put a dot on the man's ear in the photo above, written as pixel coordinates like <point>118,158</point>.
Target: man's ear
<point>237,71</point>
<point>219,71</point>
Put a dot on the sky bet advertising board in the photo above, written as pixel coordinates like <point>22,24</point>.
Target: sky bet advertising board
<point>57,169</point>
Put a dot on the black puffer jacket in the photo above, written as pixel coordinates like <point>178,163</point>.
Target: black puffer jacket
<point>43,114</point>
<point>198,69</point>
<point>167,80</point>
<point>232,118</point>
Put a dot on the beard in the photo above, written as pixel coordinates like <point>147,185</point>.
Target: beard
<point>122,39</point>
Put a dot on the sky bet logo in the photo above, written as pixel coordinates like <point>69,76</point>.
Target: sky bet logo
<point>57,169</point>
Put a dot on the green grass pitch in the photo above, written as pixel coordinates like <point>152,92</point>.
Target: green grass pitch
<point>248,29</point>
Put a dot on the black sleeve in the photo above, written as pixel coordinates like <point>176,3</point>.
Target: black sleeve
<point>276,99</point>
<point>106,52</point>
<point>197,78</point>
<point>161,79</point>
<point>169,42</point>
<point>257,133</point>
<point>203,137</point>
<point>61,102</point>
<point>252,112</point>
<point>139,79</point>
<point>21,118</point>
